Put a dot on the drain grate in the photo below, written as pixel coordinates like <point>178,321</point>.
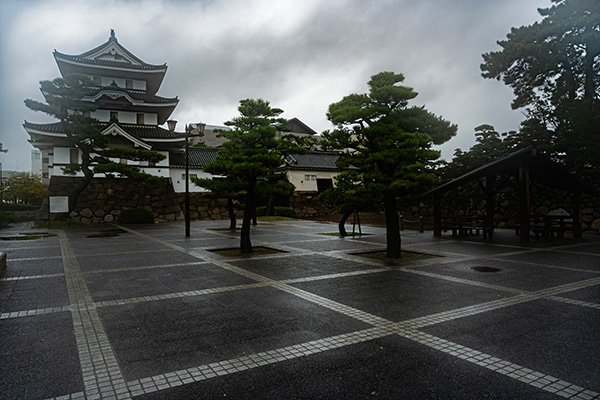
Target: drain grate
<point>485,269</point>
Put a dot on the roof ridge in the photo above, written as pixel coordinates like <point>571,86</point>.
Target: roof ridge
<point>112,40</point>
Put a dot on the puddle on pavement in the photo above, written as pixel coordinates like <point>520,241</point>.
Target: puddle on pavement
<point>107,233</point>
<point>485,269</point>
<point>27,236</point>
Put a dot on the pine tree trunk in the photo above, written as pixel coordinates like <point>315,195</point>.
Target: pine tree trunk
<point>232,218</point>
<point>245,244</point>
<point>254,221</point>
<point>270,204</point>
<point>392,226</point>
<point>342,224</point>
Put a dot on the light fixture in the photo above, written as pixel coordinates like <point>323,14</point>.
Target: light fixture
<point>171,124</point>
<point>200,128</point>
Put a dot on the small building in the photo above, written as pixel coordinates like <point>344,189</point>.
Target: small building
<point>313,172</point>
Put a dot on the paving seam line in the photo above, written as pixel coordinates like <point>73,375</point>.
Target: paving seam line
<point>102,271</point>
<point>35,258</point>
<point>119,253</point>
<point>27,277</point>
<point>100,371</point>
<point>499,258</point>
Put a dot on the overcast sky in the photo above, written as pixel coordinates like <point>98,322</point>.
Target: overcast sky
<point>301,55</point>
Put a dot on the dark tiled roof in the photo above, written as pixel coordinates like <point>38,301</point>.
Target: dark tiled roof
<point>50,128</point>
<point>109,63</point>
<point>312,161</point>
<point>83,57</point>
<point>141,95</point>
<point>148,131</point>
<point>199,157</point>
<point>138,131</point>
<point>297,126</point>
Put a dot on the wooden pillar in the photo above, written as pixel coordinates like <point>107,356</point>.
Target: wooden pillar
<point>437,214</point>
<point>577,215</point>
<point>524,203</point>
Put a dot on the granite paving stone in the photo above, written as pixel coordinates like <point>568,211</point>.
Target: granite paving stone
<point>387,368</point>
<point>550,337</point>
<point>217,327</point>
<point>134,259</point>
<point>31,252</point>
<point>398,295</point>
<point>511,273</point>
<point>39,357</point>
<point>20,295</point>
<point>292,266</point>
<point>330,244</point>
<point>152,281</point>
<point>33,267</point>
<point>557,258</point>
<point>590,294</point>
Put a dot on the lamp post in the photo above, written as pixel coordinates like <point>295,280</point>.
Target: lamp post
<point>188,130</point>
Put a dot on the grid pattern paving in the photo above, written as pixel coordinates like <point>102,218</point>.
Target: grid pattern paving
<point>103,378</point>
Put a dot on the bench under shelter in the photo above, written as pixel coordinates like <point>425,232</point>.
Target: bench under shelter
<point>528,167</point>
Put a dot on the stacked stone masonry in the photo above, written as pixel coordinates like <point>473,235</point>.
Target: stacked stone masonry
<point>105,199</point>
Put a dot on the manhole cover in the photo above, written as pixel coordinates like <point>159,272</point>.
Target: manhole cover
<point>485,269</point>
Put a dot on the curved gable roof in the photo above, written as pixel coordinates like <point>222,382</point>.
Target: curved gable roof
<point>112,56</point>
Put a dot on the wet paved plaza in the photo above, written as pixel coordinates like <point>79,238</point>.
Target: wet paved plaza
<point>149,314</point>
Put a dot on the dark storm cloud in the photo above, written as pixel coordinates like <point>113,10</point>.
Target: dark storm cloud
<point>300,55</point>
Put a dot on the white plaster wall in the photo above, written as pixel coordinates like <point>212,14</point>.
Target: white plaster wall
<point>127,117</point>
<point>139,85</point>
<point>101,115</point>
<point>179,183</point>
<point>62,155</point>
<point>297,178</point>
<point>150,119</point>
<point>156,171</point>
<point>36,162</point>
<point>165,162</point>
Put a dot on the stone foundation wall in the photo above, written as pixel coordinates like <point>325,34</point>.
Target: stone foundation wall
<point>307,206</point>
<point>104,199</point>
<point>205,208</point>
<point>208,208</point>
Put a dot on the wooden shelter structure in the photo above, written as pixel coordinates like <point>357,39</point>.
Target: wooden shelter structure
<point>528,167</point>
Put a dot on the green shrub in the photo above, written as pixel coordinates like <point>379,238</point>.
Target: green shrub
<point>136,216</point>
<point>260,211</point>
<point>284,212</point>
<point>278,211</point>
<point>6,218</point>
<point>18,207</point>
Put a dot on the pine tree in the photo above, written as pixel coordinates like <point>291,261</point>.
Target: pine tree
<point>388,144</point>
